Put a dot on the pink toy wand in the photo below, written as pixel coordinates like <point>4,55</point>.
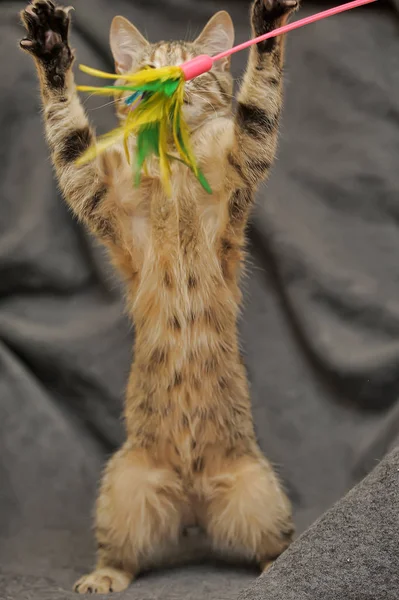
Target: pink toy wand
<point>202,64</point>
<point>156,98</point>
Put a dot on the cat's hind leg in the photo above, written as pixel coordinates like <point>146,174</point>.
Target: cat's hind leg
<point>247,512</point>
<point>138,519</point>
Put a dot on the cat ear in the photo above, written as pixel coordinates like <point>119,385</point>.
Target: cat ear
<point>217,36</point>
<point>126,43</point>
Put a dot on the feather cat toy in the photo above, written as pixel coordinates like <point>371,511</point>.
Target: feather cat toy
<point>156,103</point>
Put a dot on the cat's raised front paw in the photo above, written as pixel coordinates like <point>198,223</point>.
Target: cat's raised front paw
<point>270,14</point>
<point>47,26</point>
<point>278,8</point>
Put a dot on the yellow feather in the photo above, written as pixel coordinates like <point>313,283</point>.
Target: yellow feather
<point>97,73</point>
<point>107,91</point>
<point>145,75</point>
<point>163,152</point>
<point>102,143</point>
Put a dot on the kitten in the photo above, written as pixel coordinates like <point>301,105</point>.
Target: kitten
<point>190,457</point>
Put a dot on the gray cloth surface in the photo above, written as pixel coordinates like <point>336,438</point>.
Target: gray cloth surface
<point>351,553</point>
<point>320,327</point>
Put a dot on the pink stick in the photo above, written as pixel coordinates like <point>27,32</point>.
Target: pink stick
<point>201,64</point>
<point>291,26</point>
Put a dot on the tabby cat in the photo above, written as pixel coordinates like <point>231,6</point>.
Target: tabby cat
<point>190,456</point>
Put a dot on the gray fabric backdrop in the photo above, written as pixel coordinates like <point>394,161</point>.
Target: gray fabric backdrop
<point>320,328</point>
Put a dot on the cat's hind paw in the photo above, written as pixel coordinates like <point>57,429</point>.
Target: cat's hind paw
<point>103,581</point>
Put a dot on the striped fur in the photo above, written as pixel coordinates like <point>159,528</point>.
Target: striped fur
<point>190,456</point>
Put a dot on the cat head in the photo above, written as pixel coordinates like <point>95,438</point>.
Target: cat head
<point>206,95</point>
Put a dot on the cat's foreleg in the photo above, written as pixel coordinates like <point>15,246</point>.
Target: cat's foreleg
<point>259,107</point>
<point>66,125</point>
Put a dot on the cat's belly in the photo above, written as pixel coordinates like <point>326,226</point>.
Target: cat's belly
<point>182,423</point>
<point>188,389</point>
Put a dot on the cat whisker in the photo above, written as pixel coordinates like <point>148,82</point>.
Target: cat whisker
<point>114,101</point>
<point>111,102</point>
<point>204,99</point>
